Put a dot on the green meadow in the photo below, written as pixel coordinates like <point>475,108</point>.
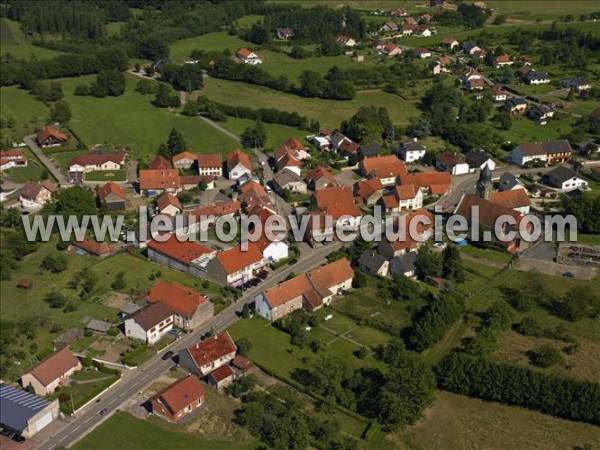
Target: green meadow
<point>13,41</point>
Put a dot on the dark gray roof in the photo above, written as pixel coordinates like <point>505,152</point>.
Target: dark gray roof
<point>98,325</point>
<point>337,138</point>
<point>371,260</point>
<point>560,174</point>
<point>18,406</point>
<point>559,146</point>
<point>285,176</point>
<point>535,75</point>
<point>403,264</point>
<point>514,102</point>
<point>507,182</point>
<point>369,149</point>
<point>412,146</point>
<point>130,307</point>
<point>476,157</point>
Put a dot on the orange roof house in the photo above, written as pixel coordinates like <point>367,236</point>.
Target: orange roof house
<point>168,204</point>
<point>113,195</point>
<point>45,376</point>
<point>436,183</point>
<point>159,180</point>
<point>386,168</point>
<point>50,136</point>
<point>320,177</point>
<point>184,252</point>
<point>332,195</point>
<point>93,247</point>
<point>205,356</point>
<point>238,164</point>
<point>179,399</point>
<point>369,191</point>
<point>160,162</point>
<point>235,266</point>
<point>190,308</point>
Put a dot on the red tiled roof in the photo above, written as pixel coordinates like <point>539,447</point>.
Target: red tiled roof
<point>450,159</point>
<point>321,172</point>
<point>366,188</point>
<point>516,198</point>
<point>96,159</point>
<point>222,373</point>
<point>503,58</point>
<point>332,195</point>
<point>238,157</point>
<point>218,210</point>
<point>180,394</point>
<point>183,251</point>
<point>184,155</point>
<point>159,162</point>
<point>212,160</point>
<point>211,349</point>
<point>408,242</point>
<point>241,363</point>
<point>389,201</point>
<point>111,188</point>
<point>31,190</point>
<point>448,41</point>
<point>532,149</point>
<point>166,200</point>
<point>93,247</point>
<point>348,147</point>
<point>54,366</point>
<point>244,52</point>
<point>332,274</point>
<point>159,179</point>
<point>406,191</point>
<point>186,180</point>
<point>180,299</point>
<point>235,259</point>
<point>49,131</point>
<point>383,166</point>
<point>338,210</point>
<point>434,181</point>
<point>488,211</point>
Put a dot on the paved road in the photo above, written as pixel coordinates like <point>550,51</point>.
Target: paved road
<point>55,171</point>
<point>137,379</point>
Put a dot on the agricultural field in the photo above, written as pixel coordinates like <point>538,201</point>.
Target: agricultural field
<point>134,123</point>
<point>210,42</point>
<point>27,113</point>
<point>457,422</point>
<point>329,113</point>
<point>13,41</point>
<point>276,134</point>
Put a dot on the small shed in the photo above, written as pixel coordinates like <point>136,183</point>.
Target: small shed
<point>25,283</point>
<point>98,326</point>
<point>241,363</point>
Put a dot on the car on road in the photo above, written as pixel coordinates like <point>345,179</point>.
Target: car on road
<point>292,262</point>
<point>103,412</point>
<point>568,275</point>
<point>167,355</point>
<point>175,332</point>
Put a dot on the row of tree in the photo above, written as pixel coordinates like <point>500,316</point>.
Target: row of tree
<point>514,385</point>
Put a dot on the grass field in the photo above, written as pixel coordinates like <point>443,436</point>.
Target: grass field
<point>26,112</point>
<point>276,134</point>
<point>211,42</point>
<point>135,434</point>
<point>85,386</point>
<point>329,113</point>
<point>132,122</point>
<point>33,171</point>
<point>106,175</point>
<point>62,159</point>
<point>14,42</point>
<point>458,422</point>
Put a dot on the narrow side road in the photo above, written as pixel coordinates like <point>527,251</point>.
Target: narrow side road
<point>55,171</point>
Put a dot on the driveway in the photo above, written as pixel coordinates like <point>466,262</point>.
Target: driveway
<point>55,171</point>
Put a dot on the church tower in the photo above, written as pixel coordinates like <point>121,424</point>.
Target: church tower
<point>484,185</point>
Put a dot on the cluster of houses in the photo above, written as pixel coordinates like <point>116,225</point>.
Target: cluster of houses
<point>408,26</point>
<point>12,158</point>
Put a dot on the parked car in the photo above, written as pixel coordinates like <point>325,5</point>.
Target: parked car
<point>167,355</point>
<point>569,275</point>
<point>292,262</point>
<point>103,412</point>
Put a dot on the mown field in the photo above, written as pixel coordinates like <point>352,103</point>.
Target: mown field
<point>27,112</point>
<point>211,42</point>
<point>13,41</point>
<point>276,134</point>
<point>132,122</point>
<point>329,113</point>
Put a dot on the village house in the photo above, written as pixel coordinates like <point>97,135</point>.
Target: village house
<point>168,204</point>
<point>368,150</point>
<point>471,48</point>
<point>157,181</point>
<point>549,152</point>
<point>235,267</point>
<point>49,373</point>
<point>471,74</point>
<point>390,49</point>
<point>150,323</point>
<point>190,308</point>
<point>542,113</point>
<point>208,215</point>
<point>450,43</point>
<point>432,183</point>
<point>509,182</point>
<point>248,57</point>
<point>475,84</point>
<point>399,12</point>
<point>406,29</point>
<point>498,95</point>
<point>452,163</point>
<point>411,151</point>
<point>319,229</point>
<point>516,199</point>
<point>565,179</point>
<point>372,263</point>
<point>269,242</point>
<point>403,242</point>
<point>502,61</point>
<point>205,356</point>
<point>184,160</point>
<point>221,378</point>
<point>33,196</point>
<point>389,26</point>
<point>310,290</point>
<point>422,53</point>
<point>579,83</point>
<point>185,256</point>
<point>325,197</point>
<point>408,197</point>
<point>238,164</point>
<point>289,180</point>
<point>368,191</point>
<point>179,399</point>
<point>515,105</point>
<point>337,138</point>
<point>92,247</point>
<point>345,40</point>
<point>254,195</point>
<point>405,264</point>
<point>283,34</point>
<point>83,164</point>
<point>387,168</point>
<point>534,77</point>
<point>346,216</point>
<point>12,158</point>
<point>422,31</point>
<point>50,137</point>
<point>477,159</point>
<point>112,195</point>
<point>159,162</point>
<point>320,177</point>
<point>210,165</point>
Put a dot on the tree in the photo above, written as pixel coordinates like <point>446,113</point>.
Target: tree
<point>75,201</point>
<point>571,95</point>
<point>312,84</point>
<point>546,356</point>
<point>60,112</point>
<point>245,312</point>
<point>109,82</point>
<point>175,142</point>
<point>428,263</point>
<point>188,77</point>
<point>55,263</point>
<point>55,299</point>
<point>255,136</point>
<point>164,97</point>
<point>119,284</point>
<point>452,264</point>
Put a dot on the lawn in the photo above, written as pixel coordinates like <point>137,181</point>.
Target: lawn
<point>33,171</point>
<point>84,386</point>
<point>15,43</point>
<point>329,113</point>
<point>276,134</point>
<point>136,124</point>
<point>135,434</point>
<point>211,42</point>
<point>62,159</point>
<point>26,112</point>
<point>488,254</point>
<point>106,175</point>
<point>458,422</point>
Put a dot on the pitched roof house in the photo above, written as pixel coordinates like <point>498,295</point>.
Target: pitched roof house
<point>320,177</point>
<point>325,197</point>
<point>155,181</point>
<point>179,399</point>
<point>549,152</point>
<point>46,376</point>
<point>113,195</point>
<point>50,136</point>
<point>92,247</point>
<point>435,183</point>
<point>12,158</point>
<point>310,290</point>
<point>168,204</point>
<point>287,179</point>
<point>205,356</point>
<point>508,182</point>
<point>210,164</point>
<point>368,150</point>
<point>477,159</point>
<point>150,323</point>
<point>452,163</point>
<point>221,378</point>
<point>234,267</point>
<point>33,196</point>
<point>373,263</point>
<point>387,168</point>
<point>190,308</point>
<point>238,164</point>
<point>516,199</point>
<point>184,256</point>
<point>160,163</point>
<point>369,191</point>
<point>565,179</point>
